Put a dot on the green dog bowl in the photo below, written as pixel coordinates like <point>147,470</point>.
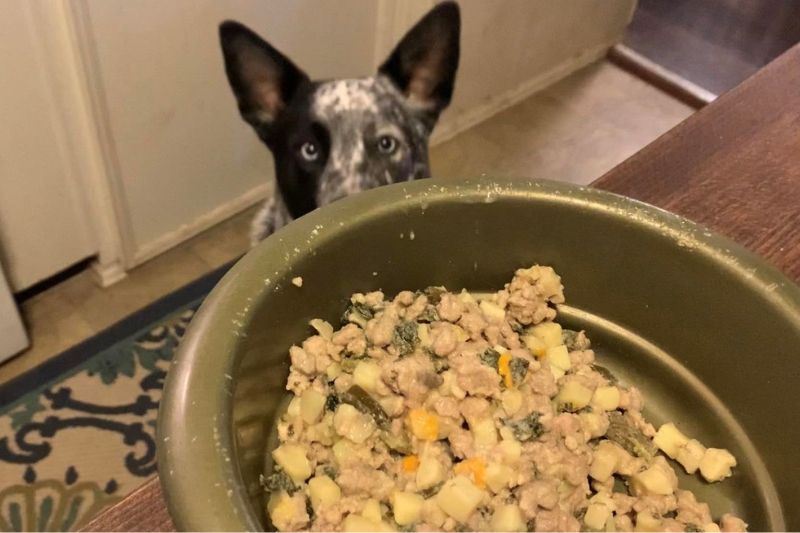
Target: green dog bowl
<point>708,331</point>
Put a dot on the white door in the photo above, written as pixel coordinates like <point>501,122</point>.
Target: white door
<point>43,220</point>
<point>12,334</point>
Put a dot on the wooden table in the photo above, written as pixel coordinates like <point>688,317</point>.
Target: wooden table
<point>734,167</point>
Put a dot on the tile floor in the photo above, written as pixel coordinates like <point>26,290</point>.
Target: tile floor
<point>575,130</point>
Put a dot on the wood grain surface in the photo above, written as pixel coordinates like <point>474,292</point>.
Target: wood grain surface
<point>734,166</point>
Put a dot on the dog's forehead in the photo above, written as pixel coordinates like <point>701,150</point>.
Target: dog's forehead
<point>355,96</point>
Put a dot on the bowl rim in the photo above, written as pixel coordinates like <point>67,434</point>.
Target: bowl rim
<point>181,418</point>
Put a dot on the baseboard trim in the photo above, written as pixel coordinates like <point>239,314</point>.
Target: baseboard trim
<point>453,125</point>
<point>660,77</point>
<point>200,224</point>
<point>107,274</point>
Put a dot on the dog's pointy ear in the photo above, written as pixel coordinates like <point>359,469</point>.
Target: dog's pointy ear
<point>424,63</point>
<point>262,78</point>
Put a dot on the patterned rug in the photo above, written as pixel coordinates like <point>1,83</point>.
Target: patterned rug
<point>77,433</point>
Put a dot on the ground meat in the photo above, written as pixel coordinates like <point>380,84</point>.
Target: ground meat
<point>443,339</point>
<point>556,520</point>
<point>474,377</point>
<point>450,308</point>
<point>429,400</point>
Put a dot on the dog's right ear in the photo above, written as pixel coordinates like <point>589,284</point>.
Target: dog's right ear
<point>262,78</point>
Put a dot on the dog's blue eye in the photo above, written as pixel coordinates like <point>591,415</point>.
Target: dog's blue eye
<point>309,151</point>
<point>387,144</point>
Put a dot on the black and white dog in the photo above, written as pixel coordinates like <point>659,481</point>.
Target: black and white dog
<point>331,139</point>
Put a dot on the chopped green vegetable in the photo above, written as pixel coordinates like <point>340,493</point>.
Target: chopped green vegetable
<point>332,402</point>
<point>624,433</point>
<point>349,363</point>
<point>399,444</point>
<point>671,514</point>
<point>330,471</point>
<point>517,328</point>
<point>691,527</point>
<point>490,358</point>
<point>405,337</point>
<point>519,369</point>
<point>359,314</point>
<point>430,314</point>
<point>361,400</point>
<point>310,509</point>
<point>431,491</point>
<point>440,364</point>
<point>434,294</point>
<point>566,407</point>
<point>574,341</point>
<point>279,480</point>
<point>527,428</point>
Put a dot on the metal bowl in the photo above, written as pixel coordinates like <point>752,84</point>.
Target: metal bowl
<point>707,330</point>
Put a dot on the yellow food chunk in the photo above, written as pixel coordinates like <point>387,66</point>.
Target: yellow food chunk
<point>372,510</point>
<point>430,472</point>
<point>312,404</point>
<point>356,523</point>
<point>670,440</point>
<point>292,458</point>
<point>323,491</point>
<point>575,395</point>
<point>607,398</point>
<point>423,426</point>
<point>558,356</point>
<point>475,469</point>
<point>716,464</point>
<point>690,455</point>
<point>366,375</point>
<point>535,345</point>
<point>410,464</point>
<point>549,333</point>
<point>504,369</point>
<point>596,516</point>
<point>498,476</point>
<point>484,432</point>
<point>459,498</point>
<point>512,400</point>
<point>605,462</point>
<point>406,507</point>
<point>508,518</point>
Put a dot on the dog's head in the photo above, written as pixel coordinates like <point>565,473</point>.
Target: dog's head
<point>331,139</point>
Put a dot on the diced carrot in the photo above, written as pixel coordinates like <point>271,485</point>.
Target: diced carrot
<point>410,464</point>
<point>423,426</point>
<point>475,469</point>
<point>504,369</point>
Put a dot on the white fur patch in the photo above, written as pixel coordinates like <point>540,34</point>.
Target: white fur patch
<point>336,97</point>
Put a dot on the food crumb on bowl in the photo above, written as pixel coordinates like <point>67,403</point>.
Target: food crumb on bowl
<point>297,282</point>
<point>442,411</point>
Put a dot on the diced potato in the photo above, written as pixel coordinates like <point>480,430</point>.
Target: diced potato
<point>604,498</point>
<point>511,450</point>
<point>323,491</point>
<point>461,335</point>
<point>535,345</point>
<point>312,404</point>
<point>424,333</point>
<point>424,426</point>
<point>466,297</point>
<point>459,498</point>
<point>512,401</point>
<point>606,459</point>
<point>711,527</point>
<point>345,452</point>
<point>372,510</point>
<point>484,432</point>
<point>606,398</point>
<point>549,283</point>
<point>352,424</point>
<point>645,521</point>
<point>354,522</point>
<point>498,476</point>
<point>716,464</point>
<point>549,333</point>
<point>333,371</point>
<point>283,510</point>
<point>670,440</point>
<point>293,410</point>
<point>366,375</point>
<point>430,472</point>
<point>324,329</point>
<point>433,514</point>
<point>557,373</point>
<point>596,516</point>
<point>292,458</point>
<point>449,387</point>
<point>653,481</point>
<point>407,507</point>
<point>574,394</point>
<point>492,312</point>
<point>508,518</point>
<point>594,423</point>
<point>690,455</point>
<point>558,356</point>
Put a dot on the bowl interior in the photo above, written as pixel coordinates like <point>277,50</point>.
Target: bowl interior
<point>707,331</point>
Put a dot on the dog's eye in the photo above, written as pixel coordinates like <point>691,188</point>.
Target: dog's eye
<point>387,144</point>
<point>309,151</point>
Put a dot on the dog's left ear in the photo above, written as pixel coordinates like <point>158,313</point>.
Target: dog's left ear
<point>424,63</point>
